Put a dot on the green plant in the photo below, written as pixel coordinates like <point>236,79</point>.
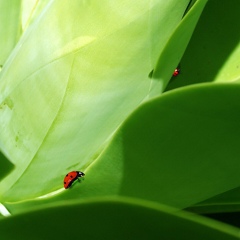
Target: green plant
<point>88,86</point>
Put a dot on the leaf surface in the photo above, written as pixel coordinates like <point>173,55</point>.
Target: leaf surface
<point>71,81</point>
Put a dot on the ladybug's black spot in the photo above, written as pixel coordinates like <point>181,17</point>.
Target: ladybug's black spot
<point>66,175</point>
<point>64,182</point>
<point>71,176</point>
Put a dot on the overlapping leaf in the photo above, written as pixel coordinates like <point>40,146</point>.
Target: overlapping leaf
<point>111,218</point>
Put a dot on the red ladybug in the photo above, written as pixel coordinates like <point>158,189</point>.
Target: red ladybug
<point>71,177</point>
<point>176,72</point>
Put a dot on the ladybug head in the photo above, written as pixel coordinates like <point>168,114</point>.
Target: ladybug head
<point>176,72</point>
<point>80,174</point>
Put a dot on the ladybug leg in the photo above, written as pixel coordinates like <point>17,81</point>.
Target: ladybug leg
<point>80,180</point>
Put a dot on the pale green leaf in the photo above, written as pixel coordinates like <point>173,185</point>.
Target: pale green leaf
<point>78,71</point>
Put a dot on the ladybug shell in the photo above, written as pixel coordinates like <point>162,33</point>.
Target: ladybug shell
<point>176,72</point>
<point>71,177</point>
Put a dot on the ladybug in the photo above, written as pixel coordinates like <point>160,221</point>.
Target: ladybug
<point>71,177</point>
<point>176,72</point>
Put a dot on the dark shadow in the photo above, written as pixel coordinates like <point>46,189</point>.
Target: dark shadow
<point>5,166</point>
<point>229,218</point>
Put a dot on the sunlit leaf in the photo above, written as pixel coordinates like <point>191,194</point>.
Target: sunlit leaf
<point>78,71</point>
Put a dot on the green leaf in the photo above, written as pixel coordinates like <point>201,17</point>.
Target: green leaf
<point>30,10</point>
<point>10,29</point>
<point>114,219</point>
<point>179,149</point>
<point>78,71</point>
<point>175,47</point>
<point>222,203</point>
<point>214,51</point>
